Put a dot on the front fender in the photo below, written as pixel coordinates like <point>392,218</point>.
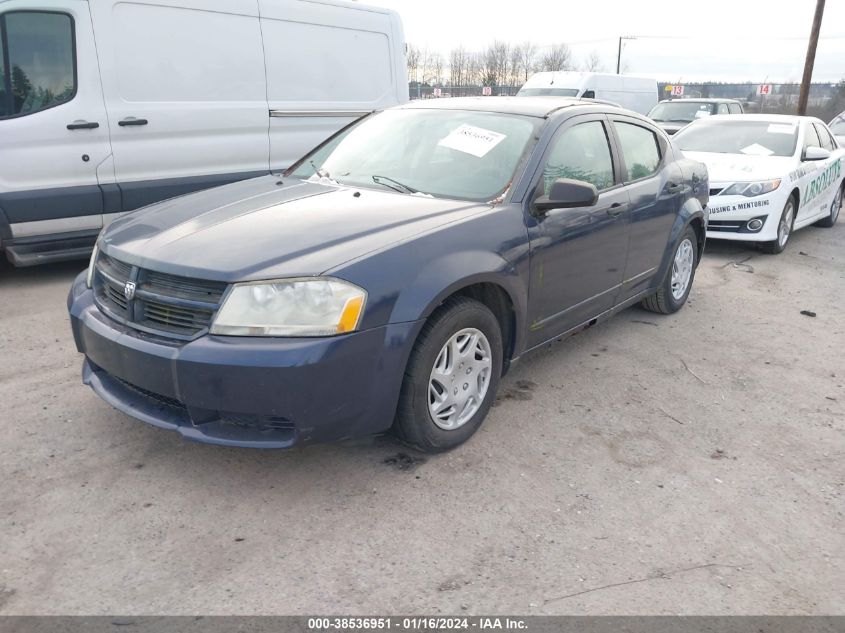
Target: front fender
<point>445,276</point>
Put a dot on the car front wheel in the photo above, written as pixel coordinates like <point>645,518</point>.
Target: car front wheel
<point>676,285</point>
<point>452,376</point>
<point>787,220</point>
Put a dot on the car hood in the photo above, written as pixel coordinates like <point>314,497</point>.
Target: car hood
<point>728,168</point>
<point>671,128</point>
<point>261,229</point>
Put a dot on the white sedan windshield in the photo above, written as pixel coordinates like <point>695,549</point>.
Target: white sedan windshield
<point>753,138</point>
<point>444,153</point>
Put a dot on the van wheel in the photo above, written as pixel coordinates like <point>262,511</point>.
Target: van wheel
<point>785,224</point>
<point>451,378</point>
<point>675,288</point>
<point>830,220</point>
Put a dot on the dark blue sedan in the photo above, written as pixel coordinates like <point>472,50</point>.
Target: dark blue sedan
<point>392,276</point>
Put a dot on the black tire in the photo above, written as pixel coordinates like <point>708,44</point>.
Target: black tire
<point>835,206</point>
<point>414,424</point>
<point>776,247</point>
<point>663,301</point>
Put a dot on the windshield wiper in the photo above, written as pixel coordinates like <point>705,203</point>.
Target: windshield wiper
<point>394,184</point>
<point>322,173</point>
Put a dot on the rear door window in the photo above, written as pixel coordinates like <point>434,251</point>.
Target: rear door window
<point>735,108</point>
<point>722,108</point>
<point>640,149</point>
<point>38,61</point>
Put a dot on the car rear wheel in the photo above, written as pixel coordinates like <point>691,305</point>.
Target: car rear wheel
<point>675,288</point>
<point>451,378</point>
<point>830,220</point>
<point>785,224</point>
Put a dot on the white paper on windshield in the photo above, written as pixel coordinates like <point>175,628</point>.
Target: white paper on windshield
<point>700,114</point>
<point>780,128</point>
<point>755,149</point>
<point>472,140</point>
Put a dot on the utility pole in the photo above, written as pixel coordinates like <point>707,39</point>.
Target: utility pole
<point>619,56</point>
<point>811,58</point>
<point>619,52</point>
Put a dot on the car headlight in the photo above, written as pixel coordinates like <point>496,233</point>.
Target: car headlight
<point>89,278</point>
<point>319,306</point>
<point>749,189</point>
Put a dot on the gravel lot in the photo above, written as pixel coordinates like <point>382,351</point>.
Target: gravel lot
<point>651,465</point>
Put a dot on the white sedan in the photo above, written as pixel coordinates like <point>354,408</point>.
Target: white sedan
<point>769,175</point>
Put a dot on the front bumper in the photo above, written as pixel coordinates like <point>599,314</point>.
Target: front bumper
<point>729,216</point>
<point>244,391</point>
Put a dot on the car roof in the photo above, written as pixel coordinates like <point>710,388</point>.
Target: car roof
<point>702,100</point>
<point>768,118</point>
<point>528,106</point>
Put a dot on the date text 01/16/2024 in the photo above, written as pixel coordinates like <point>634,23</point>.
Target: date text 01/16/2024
<point>415,623</point>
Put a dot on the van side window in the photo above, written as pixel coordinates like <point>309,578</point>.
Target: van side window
<point>581,153</point>
<point>39,69</point>
<point>640,149</point>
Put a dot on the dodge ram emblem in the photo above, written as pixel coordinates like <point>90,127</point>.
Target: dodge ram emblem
<point>129,290</point>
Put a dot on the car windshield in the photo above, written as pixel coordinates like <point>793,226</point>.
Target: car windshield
<point>548,92</point>
<point>442,153</point>
<point>753,138</point>
<point>680,111</point>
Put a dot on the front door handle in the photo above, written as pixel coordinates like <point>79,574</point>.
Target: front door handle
<point>617,208</point>
<point>83,125</point>
<point>132,121</point>
<point>674,188</point>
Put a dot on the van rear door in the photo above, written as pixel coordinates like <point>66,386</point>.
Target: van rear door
<point>327,65</point>
<point>54,132</point>
<point>185,92</point>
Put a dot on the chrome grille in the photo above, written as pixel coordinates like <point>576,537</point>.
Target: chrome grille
<point>168,305</point>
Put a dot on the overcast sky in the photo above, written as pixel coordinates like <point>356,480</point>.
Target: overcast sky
<point>728,40</point>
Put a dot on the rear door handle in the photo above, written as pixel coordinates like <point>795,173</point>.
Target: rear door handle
<point>83,125</point>
<point>132,121</point>
<point>617,208</point>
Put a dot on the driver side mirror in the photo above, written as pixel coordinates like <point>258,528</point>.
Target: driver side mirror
<point>566,193</point>
<point>816,153</point>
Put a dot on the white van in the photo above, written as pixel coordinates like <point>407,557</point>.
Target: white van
<point>635,93</point>
<point>109,105</point>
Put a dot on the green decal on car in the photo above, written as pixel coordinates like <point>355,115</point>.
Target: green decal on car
<point>822,182</point>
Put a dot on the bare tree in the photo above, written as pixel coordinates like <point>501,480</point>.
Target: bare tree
<point>413,62</point>
<point>425,61</point>
<point>436,69</point>
<point>475,68</point>
<point>593,62</point>
<point>528,58</point>
<point>495,63</point>
<point>513,66</point>
<point>557,57</point>
<point>457,67</point>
